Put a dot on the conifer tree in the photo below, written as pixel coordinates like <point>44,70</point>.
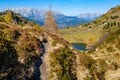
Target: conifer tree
<point>50,24</point>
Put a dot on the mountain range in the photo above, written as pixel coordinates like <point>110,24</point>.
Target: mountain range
<point>89,16</point>
<point>28,52</point>
<point>61,19</point>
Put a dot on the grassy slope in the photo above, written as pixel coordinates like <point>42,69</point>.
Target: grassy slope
<point>91,32</point>
<point>107,54</point>
<point>81,35</point>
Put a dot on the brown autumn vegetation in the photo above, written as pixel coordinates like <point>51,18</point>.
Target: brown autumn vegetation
<point>50,24</point>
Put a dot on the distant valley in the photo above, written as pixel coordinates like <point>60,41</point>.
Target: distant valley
<point>61,19</point>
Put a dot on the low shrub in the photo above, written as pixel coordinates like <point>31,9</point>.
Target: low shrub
<point>118,45</point>
<point>2,19</point>
<point>54,43</point>
<point>110,49</point>
<point>64,58</point>
<point>114,17</point>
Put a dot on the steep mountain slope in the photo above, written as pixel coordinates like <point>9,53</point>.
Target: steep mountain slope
<point>61,19</point>
<point>34,54</point>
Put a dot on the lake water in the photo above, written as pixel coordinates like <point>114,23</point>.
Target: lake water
<point>79,46</point>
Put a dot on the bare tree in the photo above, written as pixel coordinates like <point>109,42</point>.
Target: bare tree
<point>50,24</point>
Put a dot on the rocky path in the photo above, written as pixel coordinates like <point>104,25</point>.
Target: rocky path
<point>43,73</point>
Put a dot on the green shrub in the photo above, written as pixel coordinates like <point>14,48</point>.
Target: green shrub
<point>7,52</point>
<point>107,26</point>
<point>8,17</point>
<point>54,43</point>
<point>11,35</point>
<point>91,51</point>
<point>112,37</point>
<point>89,63</point>
<point>90,27</point>
<point>2,19</point>
<point>63,57</point>
<point>118,45</point>
<point>2,26</point>
<point>110,49</point>
<point>66,77</point>
<point>114,17</point>
<point>102,66</point>
<point>28,46</point>
<point>36,26</point>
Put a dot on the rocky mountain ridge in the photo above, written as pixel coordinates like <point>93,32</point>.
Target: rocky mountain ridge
<point>61,19</point>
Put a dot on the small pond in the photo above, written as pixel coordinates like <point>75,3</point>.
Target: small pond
<point>79,46</point>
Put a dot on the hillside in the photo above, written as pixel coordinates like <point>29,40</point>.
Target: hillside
<point>21,52</point>
<point>91,32</point>
<point>10,17</point>
<point>109,53</point>
<point>34,54</point>
<point>106,49</point>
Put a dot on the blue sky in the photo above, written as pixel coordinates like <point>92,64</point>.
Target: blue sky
<point>68,7</point>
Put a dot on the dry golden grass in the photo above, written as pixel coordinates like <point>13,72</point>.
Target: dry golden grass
<point>81,35</point>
